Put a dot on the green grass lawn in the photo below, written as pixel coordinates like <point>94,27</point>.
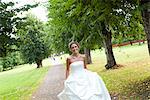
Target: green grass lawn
<point>132,78</point>
<point>21,82</point>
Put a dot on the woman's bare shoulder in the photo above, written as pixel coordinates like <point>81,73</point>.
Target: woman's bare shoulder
<point>69,58</point>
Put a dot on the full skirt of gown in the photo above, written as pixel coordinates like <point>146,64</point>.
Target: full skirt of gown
<point>84,85</point>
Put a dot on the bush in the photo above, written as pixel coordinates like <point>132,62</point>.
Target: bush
<point>1,68</point>
<point>12,60</point>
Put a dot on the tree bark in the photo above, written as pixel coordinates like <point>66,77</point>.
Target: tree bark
<point>88,55</point>
<point>39,63</point>
<point>111,62</point>
<point>131,43</point>
<point>146,20</point>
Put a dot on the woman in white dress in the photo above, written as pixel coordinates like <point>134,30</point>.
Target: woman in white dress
<point>80,83</point>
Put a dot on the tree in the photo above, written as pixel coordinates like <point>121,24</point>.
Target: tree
<point>88,19</point>
<point>33,46</point>
<point>135,31</point>
<point>145,5</point>
<point>63,31</point>
<point>143,8</point>
<point>8,25</point>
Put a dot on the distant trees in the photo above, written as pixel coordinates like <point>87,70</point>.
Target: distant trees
<point>8,25</point>
<point>8,28</point>
<point>21,34</point>
<point>33,46</point>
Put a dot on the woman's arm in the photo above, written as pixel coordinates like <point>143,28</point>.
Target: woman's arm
<point>67,67</point>
<point>85,61</point>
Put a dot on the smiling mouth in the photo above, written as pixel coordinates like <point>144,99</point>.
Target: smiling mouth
<point>75,50</point>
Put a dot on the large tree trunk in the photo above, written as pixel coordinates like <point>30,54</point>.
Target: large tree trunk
<point>39,63</point>
<point>146,20</point>
<point>108,50</point>
<point>88,55</point>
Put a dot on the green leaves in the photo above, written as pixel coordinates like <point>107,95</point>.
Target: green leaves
<point>33,46</point>
<point>84,20</point>
<point>8,24</point>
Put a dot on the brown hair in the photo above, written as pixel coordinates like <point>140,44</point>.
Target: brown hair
<point>73,42</point>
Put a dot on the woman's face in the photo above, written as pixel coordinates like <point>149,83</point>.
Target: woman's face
<point>74,48</point>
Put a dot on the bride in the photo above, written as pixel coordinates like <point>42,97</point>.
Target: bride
<point>80,83</point>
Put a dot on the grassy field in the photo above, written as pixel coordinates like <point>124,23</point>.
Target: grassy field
<point>131,79</point>
<point>19,83</point>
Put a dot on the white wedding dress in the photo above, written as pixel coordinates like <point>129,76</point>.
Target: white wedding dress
<point>83,84</point>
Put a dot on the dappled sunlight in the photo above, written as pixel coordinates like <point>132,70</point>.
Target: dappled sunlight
<point>135,70</point>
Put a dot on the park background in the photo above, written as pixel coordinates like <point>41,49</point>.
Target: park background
<point>114,35</point>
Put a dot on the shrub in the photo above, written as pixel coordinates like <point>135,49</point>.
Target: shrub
<point>1,68</point>
<point>12,60</point>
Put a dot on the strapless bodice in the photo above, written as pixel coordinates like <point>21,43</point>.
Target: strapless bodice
<point>77,66</point>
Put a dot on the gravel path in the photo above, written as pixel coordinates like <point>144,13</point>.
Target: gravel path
<point>52,84</point>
